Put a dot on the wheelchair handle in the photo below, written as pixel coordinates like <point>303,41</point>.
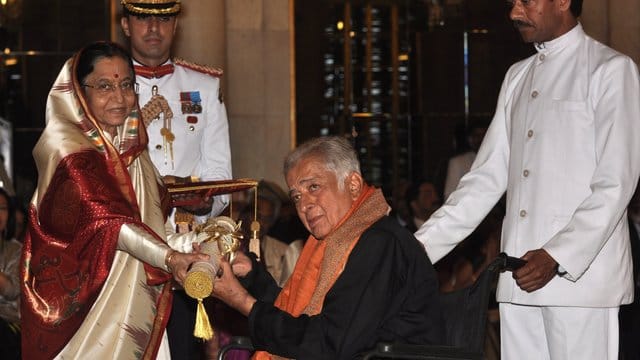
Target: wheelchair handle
<point>511,263</point>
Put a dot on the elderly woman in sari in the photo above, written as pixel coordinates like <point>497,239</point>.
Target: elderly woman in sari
<point>96,265</point>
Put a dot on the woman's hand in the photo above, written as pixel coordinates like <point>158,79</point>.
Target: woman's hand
<point>228,289</point>
<point>179,263</point>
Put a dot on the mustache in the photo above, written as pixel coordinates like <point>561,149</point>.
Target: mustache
<point>520,24</point>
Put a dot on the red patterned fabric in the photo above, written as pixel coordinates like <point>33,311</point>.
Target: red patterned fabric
<point>69,253</point>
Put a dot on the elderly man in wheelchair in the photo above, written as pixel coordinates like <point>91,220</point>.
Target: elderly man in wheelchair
<point>361,277</point>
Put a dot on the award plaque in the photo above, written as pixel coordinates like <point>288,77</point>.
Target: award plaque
<point>187,193</point>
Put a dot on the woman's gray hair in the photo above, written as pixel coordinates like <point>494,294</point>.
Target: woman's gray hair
<point>335,152</point>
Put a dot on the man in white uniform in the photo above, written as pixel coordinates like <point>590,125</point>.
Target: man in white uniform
<point>189,138</point>
<point>564,146</point>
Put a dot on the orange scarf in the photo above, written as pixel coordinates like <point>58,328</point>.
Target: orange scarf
<point>322,261</point>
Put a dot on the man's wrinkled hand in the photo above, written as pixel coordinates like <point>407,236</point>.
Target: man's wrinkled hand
<point>227,288</point>
<point>537,272</point>
<point>241,264</point>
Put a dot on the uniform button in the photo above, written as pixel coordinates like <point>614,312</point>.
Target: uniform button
<point>541,57</point>
<point>191,128</point>
<point>158,147</point>
<point>530,133</point>
<point>523,213</point>
<point>525,173</point>
<point>534,94</point>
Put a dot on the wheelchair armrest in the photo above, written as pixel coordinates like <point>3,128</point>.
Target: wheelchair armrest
<point>424,352</point>
<point>236,343</point>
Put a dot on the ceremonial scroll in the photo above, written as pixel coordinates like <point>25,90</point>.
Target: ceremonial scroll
<point>223,240</point>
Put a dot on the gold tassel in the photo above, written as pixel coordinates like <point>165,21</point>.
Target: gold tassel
<point>203,328</point>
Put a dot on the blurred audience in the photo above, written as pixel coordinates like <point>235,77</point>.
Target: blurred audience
<point>461,267</point>
<point>20,220</point>
<point>5,181</point>
<point>10,250</point>
<point>460,164</point>
<point>399,206</point>
<point>421,201</point>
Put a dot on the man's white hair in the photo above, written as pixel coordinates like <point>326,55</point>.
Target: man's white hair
<point>335,152</point>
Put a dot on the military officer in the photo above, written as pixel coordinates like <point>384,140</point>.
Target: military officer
<point>186,120</point>
<point>194,141</point>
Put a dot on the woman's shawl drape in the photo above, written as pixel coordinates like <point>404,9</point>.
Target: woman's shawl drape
<point>83,298</point>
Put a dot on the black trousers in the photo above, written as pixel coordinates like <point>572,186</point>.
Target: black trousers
<point>184,346</point>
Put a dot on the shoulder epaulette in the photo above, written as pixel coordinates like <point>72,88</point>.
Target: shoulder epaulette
<point>216,72</point>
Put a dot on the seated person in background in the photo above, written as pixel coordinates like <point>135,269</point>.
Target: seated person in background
<point>10,250</point>
<point>422,200</point>
<point>361,277</point>
<point>278,257</point>
<point>399,206</point>
<point>462,266</point>
<point>20,216</point>
<point>288,228</point>
<point>460,164</point>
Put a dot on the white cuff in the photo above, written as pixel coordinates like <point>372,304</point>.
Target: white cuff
<point>142,245</point>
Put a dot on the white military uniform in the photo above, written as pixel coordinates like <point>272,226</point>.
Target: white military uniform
<point>564,146</point>
<point>199,124</point>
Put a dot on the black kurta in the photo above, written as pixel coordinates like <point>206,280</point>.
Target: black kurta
<point>387,292</point>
